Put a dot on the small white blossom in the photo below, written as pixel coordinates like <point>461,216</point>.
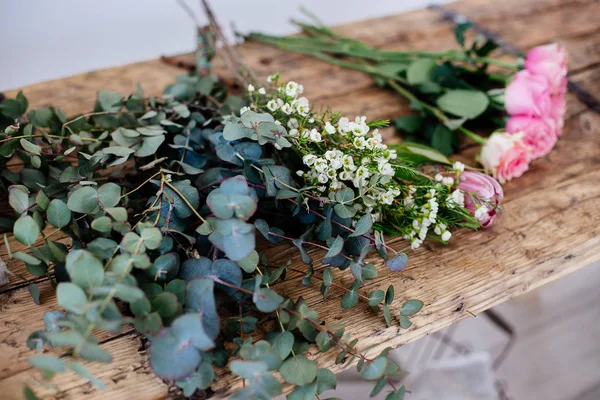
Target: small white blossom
<point>448,181</point>
<point>291,88</point>
<point>458,166</point>
<point>293,123</point>
<point>262,90</point>
<point>439,177</point>
<point>300,173</point>
<point>309,159</point>
<point>329,128</point>
<point>315,136</point>
<point>293,133</point>
<point>244,109</point>
<point>322,178</point>
<point>446,236</point>
<point>272,105</point>
<point>287,108</point>
<point>250,88</point>
<point>359,142</point>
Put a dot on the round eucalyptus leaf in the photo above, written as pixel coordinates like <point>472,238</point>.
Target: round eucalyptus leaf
<point>58,214</point>
<point>84,269</point>
<point>164,268</point>
<point>47,362</point>
<point>102,224</point>
<point>71,297</point>
<point>109,195</point>
<point>26,230</point>
<point>171,358</point>
<point>83,200</point>
<point>298,370</point>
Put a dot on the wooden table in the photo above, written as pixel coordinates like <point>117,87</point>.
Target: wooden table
<point>550,227</point>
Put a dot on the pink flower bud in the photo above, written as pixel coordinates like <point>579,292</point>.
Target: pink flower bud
<point>483,195</point>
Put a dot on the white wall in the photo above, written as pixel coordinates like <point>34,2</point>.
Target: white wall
<point>44,39</point>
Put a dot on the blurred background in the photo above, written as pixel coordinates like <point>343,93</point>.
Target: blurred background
<point>55,39</point>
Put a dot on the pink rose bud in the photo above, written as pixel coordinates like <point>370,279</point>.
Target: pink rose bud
<point>483,195</point>
<point>505,156</point>
<point>528,94</point>
<point>539,134</point>
<point>550,62</point>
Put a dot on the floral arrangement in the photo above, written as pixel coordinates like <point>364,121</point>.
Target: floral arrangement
<point>453,90</point>
<point>162,199</point>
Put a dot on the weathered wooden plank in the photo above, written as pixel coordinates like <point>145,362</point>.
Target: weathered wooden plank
<point>543,209</point>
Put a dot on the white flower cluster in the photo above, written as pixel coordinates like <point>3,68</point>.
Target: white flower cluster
<point>339,153</point>
<point>427,218</point>
<point>363,164</point>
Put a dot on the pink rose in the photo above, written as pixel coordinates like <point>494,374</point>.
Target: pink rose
<point>483,195</point>
<point>528,94</point>
<point>505,156</point>
<point>550,62</point>
<point>539,134</point>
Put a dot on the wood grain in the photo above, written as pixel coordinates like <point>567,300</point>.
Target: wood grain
<point>550,227</point>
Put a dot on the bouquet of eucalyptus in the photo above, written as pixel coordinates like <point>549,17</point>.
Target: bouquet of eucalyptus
<point>454,93</point>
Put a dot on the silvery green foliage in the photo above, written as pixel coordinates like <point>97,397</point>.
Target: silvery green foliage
<point>162,199</point>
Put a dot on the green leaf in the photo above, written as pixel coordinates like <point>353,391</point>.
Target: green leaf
<point>18,198</point>
<point>102,224</point>
<point>323,341</point>
<point>397,263</point>
<point>306,392</point>
<point>441,139</point>
<point>420,71</point>
<point>28,393</point>
<point>47,362</point>
<point>26,230</point>
<point>83,200</point>
<point>118,213</point>
<point>172,358</point>
<point>30,147</point>
<point>151,237</point>
<point>26,258</point>
<point>34,291</point>
<point>298,370</point>
<point>249,263</point>
<point>387,315</point>
<point>369,271</point>
<point>325,380</point>
<point>58,214</point>
<point>378,387</point>
<point>93,352</point>
<point>363,226</point>
<point>335,248</point>
<point>375,370</point>
<point>164,268</point>
<point>463,103</point>
<point>109,100</point>
<point>266,300</point>
<point>350,299</point>
<point>64,338</point>
<point>150,145</point>
<point>376,297</point>
<point>71,297</point>
<point>411,307</point>
<point>405,323</point>
<point>409,123</point>
<point>389,295</point>
<point>84,268</point>
<point>248,369</point>
<point>282,344</point>
<point>109,195</point>
<point>344,211</point>
<point>419,153</point>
